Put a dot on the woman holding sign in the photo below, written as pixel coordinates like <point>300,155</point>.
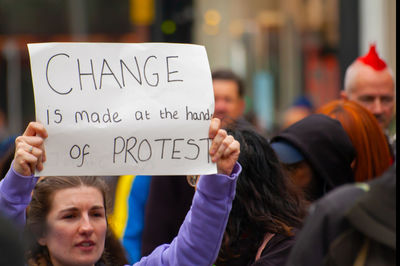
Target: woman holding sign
<point>67,216</point>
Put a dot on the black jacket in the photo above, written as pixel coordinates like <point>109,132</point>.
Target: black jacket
<point>344,220</point>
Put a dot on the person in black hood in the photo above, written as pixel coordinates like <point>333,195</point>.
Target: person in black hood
<point>317,154</point>
<point>352,225</point>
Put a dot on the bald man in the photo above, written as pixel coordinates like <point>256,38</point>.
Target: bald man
<point>369,82</point>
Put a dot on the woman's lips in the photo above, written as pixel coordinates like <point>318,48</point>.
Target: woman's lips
<point>86,245</point>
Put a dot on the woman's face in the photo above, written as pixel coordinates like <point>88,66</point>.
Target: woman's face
<point>76,227</point>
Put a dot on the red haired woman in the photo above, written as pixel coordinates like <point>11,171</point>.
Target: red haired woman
<point>372,150</point>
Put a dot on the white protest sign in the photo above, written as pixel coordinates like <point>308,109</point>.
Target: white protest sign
<point>119,108</point>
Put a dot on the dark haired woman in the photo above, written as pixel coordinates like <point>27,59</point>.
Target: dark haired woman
<point>267,209</point>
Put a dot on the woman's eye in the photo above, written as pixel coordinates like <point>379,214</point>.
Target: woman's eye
<point>69,216</point>
<point>98,214</point>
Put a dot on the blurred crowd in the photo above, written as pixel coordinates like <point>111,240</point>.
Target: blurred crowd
<point>319,190</point>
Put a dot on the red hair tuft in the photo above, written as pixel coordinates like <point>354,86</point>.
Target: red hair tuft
<point>372,59</point>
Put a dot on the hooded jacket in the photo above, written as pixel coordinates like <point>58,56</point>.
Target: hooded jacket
<point>325,145</point>
<point>343,221</point>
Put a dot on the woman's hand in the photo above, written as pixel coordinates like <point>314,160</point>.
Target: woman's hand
<point>224,148</point>
<point>29,150</point>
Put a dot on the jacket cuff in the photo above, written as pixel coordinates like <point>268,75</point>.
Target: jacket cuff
<point>211,185</point>
<point>17,188</point>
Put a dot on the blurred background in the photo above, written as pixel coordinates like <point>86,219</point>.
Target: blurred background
<point>283,49</point>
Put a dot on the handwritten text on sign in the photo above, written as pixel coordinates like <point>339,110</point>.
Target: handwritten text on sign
<point>113,109</point>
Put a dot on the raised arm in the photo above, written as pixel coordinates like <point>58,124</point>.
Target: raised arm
<point>199,238</point>
<point>17,185</point>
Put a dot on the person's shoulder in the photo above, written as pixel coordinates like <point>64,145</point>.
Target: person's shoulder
<point>339,198</point>
<point>277,251</point>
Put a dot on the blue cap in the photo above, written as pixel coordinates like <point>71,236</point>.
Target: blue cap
<point>303,101</point>
<point>286,152</point>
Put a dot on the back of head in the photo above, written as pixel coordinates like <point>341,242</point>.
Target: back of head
<point>301,108</point>
<point>264,202</point>
<point>262,185</point>
<point>372,151</point>
<point>325,146</point>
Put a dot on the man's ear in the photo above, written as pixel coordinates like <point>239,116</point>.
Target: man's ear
<point>344,95</point>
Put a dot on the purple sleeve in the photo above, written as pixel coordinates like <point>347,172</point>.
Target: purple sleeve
<point>15,195</point>
<point>199,238</point>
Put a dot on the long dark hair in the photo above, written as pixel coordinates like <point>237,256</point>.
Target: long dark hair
<point>266,201</point>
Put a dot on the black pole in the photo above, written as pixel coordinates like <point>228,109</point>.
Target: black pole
<point>349,34</point>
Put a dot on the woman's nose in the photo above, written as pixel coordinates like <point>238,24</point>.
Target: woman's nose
<point>85,226</point>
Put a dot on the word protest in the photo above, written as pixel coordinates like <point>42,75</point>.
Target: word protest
<point>123,108</point>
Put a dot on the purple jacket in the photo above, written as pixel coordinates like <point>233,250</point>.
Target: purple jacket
<point>199,237</point>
